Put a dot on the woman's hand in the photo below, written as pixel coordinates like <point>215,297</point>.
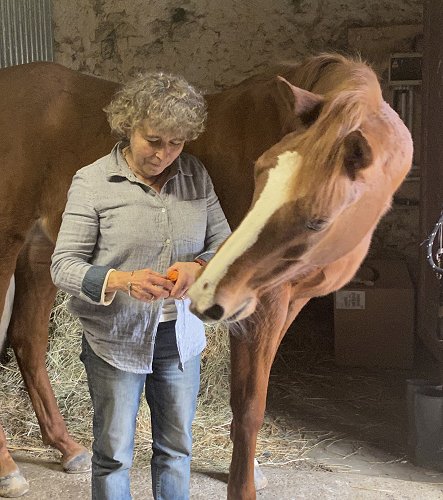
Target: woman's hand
<point>187,273</point>
<point>144,284</point>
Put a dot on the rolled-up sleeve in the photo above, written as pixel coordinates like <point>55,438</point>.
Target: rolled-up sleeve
<point>71,270</point>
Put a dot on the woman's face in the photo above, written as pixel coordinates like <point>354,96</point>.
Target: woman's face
<point>151,152</point>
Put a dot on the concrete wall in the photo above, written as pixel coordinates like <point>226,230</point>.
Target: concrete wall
<point>213,43</point>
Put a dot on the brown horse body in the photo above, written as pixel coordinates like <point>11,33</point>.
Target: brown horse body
<point>51,124</point>
<point>331,157</point>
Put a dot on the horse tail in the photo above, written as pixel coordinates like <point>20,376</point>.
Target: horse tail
<point>7,312</point>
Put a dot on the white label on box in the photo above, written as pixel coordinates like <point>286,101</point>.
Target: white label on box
<point>350,299</point>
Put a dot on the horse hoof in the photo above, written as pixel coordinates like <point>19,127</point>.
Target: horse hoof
<point>79,464</point>
<point>260,481</point>
<point>13,485</point>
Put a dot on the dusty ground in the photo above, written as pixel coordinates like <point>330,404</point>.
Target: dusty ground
<point>356,417</point>
<point>47,481</point>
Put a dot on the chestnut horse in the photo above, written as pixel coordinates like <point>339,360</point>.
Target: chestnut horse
<point>320,189</point>
<point>328,152</point>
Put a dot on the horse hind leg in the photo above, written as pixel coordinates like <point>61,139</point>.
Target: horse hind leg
<point>6,315</point>
<point>12,483</point>
<point>28,336</point>
<point>11,242</point>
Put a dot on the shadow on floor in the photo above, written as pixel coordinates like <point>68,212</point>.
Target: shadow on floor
<point>355,418</point>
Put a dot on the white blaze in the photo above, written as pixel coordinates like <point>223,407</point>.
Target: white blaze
<point>277,191</point>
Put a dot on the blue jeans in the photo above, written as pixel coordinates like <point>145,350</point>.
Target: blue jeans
<point>172,397</point>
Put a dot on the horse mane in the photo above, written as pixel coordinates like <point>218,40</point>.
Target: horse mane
<point>302,72</point>
<point>348,83</point>
<point>307,72</point>
<point>352,93</point>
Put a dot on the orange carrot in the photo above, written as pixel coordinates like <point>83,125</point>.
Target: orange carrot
<point>172,275</point>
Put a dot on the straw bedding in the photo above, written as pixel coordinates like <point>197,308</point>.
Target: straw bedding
<point>278,442</point>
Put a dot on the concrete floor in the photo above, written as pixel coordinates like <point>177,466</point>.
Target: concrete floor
<point>362,411</point>
<point>47,481</point>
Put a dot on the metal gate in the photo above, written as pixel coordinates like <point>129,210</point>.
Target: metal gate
<point>26,31</point>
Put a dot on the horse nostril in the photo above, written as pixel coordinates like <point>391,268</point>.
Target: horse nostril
<point>214,312</point>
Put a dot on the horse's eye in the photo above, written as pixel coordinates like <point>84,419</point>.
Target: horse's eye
<point>316,224</point>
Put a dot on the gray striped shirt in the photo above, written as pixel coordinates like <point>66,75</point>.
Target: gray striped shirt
<point>113,221</point>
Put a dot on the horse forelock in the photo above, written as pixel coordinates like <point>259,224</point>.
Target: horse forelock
<point>320,147</point>
<point>319,179</point>
<point>344,111</point>
<point>321,182</point>
<point>354,96</point>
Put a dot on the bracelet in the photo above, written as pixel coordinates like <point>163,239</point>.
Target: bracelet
<point>129,284</point>
<point>201,262</point>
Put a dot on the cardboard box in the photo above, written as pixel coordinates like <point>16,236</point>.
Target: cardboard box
<point>374,317</point>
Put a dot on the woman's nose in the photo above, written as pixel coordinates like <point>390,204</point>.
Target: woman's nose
<point>162,152</point>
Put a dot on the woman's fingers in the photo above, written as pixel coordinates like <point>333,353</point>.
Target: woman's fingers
<point>181,287</point>
<point>182,275</point>
<point>148,285</point>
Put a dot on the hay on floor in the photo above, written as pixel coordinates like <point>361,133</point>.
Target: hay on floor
<point>277,442</point>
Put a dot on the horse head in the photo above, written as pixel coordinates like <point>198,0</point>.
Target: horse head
<point>318,192</point>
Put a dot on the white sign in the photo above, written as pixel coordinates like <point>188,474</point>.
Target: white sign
<point>350,299</point>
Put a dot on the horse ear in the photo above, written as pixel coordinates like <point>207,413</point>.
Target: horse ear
<point>358,153</point>
<point>306,105</point>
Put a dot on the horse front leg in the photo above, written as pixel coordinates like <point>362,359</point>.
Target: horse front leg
<point>28,335</point>
<point>249,379</point>
<point>252,356</point>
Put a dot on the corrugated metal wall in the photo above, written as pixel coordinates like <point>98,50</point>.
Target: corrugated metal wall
<point>26,31</point>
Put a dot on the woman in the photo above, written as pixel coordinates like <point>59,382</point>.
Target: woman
<point>131,217</point>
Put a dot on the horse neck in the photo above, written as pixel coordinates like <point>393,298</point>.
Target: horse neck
<point>251,115</point>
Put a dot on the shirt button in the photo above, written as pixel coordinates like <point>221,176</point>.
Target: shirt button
<point>167,241</point>
<point>163,210</point>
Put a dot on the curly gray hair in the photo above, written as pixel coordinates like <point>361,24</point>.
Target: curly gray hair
<point>168,102</point>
